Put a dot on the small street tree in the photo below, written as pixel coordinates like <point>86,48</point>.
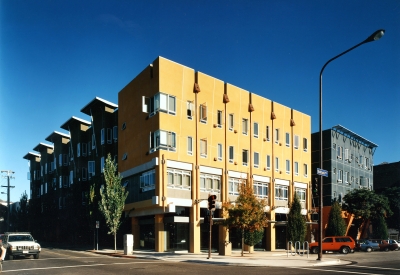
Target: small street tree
<point>336,224</point>
<point>380,230</point>
<point>366,205</point>
<point>113,196</point>
<point>247,213</point>
<point>393,195</point>
<point>296,224</point>
<point>20,216</point>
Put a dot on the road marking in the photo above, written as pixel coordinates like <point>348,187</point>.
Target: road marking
<point>376,267</point>
<point>337,271</point>
<point>70,266</point>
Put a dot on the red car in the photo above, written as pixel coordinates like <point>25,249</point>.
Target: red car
<point>342,244</point>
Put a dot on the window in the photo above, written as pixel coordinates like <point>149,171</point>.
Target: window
<point>219,151</point>
<point>203,113</point>
<point>145,104</point>
<point>65,159</point>
<point>296,168</point>
<point>84,149</point>
<point>179,179</point>
<point>268,162</point>
<point>162,140</point>
<point>231,154</point>
<point>281,192</point>
<point>287,166</point>
<point>190,109</point>
<point>210,183</point>
<point>339,152</point>
<point>346,177</point>
<point>162,103</point>
<point>60,159</point>
<point>255,129</point>
<point>245,154</point>
<point>91,168</point>
<point>276,164</point>
<point>256,160</point>
<point>260,189</point>
<point>245,126</point>
<point>361,163</point>
<point>71,177</point>
<point>305,167</point>
<point>276,136</point>
<point>78,150</point>
<point>102,136</point>
<point>296,142</point>
<point>84,173</point>
<point>231,122</point>
<point>93,141</point>
<point>102,165</point>
<point>203,148</point>
<point>346,154</point>
<point>147,180</point>
<point>115,133</point>
<point>234,185</point>
<point>109,135</point>
<point>301,194</point>
<point>340,176</point>
<point>367,163</point>
<point>287,139</point>
<point>190,145</point>
<point>267,133</point>
<point>305,144</point>
<point>219,119</point>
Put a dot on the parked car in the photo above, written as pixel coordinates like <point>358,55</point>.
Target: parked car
<point>385,245</point>
<point>367,245</point>
<point>342,244</point>
<point>20,244</point>
<point>394,242</point>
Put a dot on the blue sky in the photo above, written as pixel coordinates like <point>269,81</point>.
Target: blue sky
<point>56,56</point>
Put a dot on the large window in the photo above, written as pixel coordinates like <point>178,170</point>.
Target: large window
<point>210,183</point>
<point>287,166</point>
<point>231,122</point>
<point>245,157</point>
<point>287,139</point>
<point>203,148</point>
<point>260,189</point>
<point>190,109</point>
<point>231,154</point>
<point>219,119</point>
<point>245,126</point>
<point>160,103</point>
<point>163,140</point>
<point>91,168</point>
<point>305,145</point>
<point>256,159</point>
<point>296,168</point>
<point>180,179</point>
<point>148,180</point>
<point>305,168</point>
<point>190,146</point>
<point>203,112</point>
<point>340,175</point>
<point>255,129</point>
<point>281,192</point>
<point>339,152</point>
<point>301,194</point>
<point>234,185</point>
<point>268,162</point>
<point>296,142</point>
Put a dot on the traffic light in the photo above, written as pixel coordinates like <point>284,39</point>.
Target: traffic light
<point>315,187</point>
<point>211,202</point>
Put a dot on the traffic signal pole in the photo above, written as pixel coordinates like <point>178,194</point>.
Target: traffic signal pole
<point>211,208</point>
<point>209,243</point>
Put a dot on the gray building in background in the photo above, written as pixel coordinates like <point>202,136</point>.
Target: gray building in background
<point>348,158</point>
<point>387,175</point>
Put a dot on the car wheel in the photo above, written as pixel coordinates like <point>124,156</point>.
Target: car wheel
<point>36,256</point>
<point>369,249</point>
<point>314,250</point>
<point>344,250</point>
<point>386,249</point>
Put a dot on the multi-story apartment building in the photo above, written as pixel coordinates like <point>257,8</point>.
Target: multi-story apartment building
<point>348,158</point>
<point>61,174</point>
<point>184,135</point>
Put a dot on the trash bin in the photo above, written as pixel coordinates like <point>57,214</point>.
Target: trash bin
<point>128,244</point>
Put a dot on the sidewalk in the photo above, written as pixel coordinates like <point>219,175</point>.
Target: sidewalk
<point>257,258</point>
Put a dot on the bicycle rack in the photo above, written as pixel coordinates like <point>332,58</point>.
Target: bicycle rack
<point>297,249</point>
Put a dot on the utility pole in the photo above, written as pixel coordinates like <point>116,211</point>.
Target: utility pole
<point>8,176</point>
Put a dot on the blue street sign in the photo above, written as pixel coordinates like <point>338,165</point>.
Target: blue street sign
<point>321,172</point>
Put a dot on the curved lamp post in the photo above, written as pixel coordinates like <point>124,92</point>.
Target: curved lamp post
<point>373,37</point>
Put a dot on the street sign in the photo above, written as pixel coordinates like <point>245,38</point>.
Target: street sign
<point>321,172</point>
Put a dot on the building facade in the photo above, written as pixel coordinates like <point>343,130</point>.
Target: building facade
<point>348,158</point>
<point>184,135</point>
<point>61,174</point>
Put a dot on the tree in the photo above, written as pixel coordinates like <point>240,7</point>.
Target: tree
<point>296,224</point>
<point>366,205</point>
<point>336,224</point>
<point>393,195</point>
<point>20,216</point>
<point>380,228</point>
<point>113,196</point>
<point>247,213</point>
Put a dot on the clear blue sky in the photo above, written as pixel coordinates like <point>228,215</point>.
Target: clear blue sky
<point>56,56</point>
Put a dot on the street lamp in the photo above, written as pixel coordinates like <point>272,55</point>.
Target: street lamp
<point>373,37</point>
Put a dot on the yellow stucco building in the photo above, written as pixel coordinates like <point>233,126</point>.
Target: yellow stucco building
<point>184,135</point>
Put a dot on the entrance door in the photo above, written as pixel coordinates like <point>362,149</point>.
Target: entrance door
<point>280,237</point>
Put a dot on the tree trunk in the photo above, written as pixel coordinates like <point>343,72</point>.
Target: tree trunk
<point>115,242</point>
<point>242,241</point>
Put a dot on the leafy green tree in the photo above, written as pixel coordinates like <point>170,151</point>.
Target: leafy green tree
<point>393,195</point>
<point>380,230</point>
<point>253,238</point>
<point>296,224</point>
<point>247,213</point>
<point>113,196</point>
<point>336,224</point>
<point>366,205</point>
<point>20,217</point>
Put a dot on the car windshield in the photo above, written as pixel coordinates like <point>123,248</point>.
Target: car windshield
<point>20,238</point>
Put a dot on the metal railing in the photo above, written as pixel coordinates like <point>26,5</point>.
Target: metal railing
<point>298,250</point>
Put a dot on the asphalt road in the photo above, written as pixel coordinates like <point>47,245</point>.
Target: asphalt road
<point>58,261</point>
